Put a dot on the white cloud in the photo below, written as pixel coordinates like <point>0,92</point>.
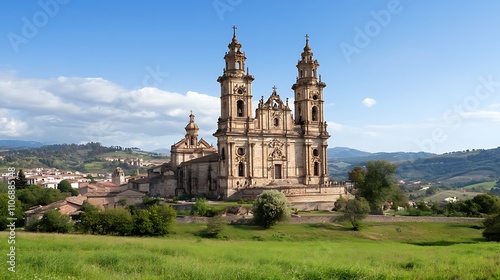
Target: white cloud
<point>73,109</point>
<point>369,102</point>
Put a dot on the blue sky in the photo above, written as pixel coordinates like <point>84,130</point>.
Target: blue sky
<point>401,75</point>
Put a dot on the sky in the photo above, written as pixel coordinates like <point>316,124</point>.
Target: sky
<point>401,75</point>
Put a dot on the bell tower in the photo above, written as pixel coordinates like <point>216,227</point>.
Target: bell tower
<point>236,87</point>
<point>308,91</point>
<point>309,115</point>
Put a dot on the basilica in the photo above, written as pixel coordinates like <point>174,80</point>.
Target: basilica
<point>274,145</point>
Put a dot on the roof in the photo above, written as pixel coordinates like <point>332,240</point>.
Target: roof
<point>209,158</point>
<point>140,181</point>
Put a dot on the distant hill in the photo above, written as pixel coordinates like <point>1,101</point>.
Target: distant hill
<point>17,144</point>
<point>344,152</point>
<point>90,157</point>
<point>161,151</point>
<point>457,169</point>
<point>341,159</point>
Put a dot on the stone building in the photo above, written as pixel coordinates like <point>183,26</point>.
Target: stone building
<point>282,146</point>
<point>118,176</point>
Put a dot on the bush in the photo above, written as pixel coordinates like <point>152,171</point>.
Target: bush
<point>269,208</point>
<point>340,204</point>
<point>163,219</point>
<point>200,207</point>
<point>116,222</point>
<point>52,221</point>
<point>356,210</point>
<point>215,226</point>
<point>492,228</point>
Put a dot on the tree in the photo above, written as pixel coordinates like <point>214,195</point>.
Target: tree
<point>116,222</point>
<point>356,210</point>
<point>357,175</point>
<point>52,221</point>
<point>488,204</point>
<point>91,178</point>
<point>89,219</point>
<point>377,184</point>
<point>5,213</point>
<point>64,186</point>
<point>270,207</point>
<point>142,223</point>
<point>200,207</point>
<point>492,228</point>
<point>340,204</point>
<point>34,195</point>
<point>20,180</point>
<point>163,219</point>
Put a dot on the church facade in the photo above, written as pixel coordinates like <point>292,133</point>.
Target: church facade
<point>278,146</point>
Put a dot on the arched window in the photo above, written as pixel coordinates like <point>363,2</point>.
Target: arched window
<point>316,168</point>
<point>241,169</point>
<point>238,64</point>
<point>301,73</point>
<point>192,141</point>
<point>314,113</point>
<point>276,122</point>
<point>314,73</point>
<point>315,152</point>
<point>239,108</point>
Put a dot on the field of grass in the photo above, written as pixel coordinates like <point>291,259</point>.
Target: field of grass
<point>485,185</point>
<point>440,196</point>
<point>287,251</point>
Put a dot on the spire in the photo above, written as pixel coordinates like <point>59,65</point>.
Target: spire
<point>191,127</point>
<point>234,32</point>
<point>234,46</point>
<point>307,48</point>
<point>307,54</point>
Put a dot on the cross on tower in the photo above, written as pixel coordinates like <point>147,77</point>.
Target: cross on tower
<point>274,88</point>
<point>234,30</point>
<point>307,37</point>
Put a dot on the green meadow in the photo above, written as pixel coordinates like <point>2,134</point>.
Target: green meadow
<point>286,251</point>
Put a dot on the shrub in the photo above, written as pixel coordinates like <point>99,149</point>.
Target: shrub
<point>340,204</point>
<point>356,210</point>
<point>200,207</point>
<point>215,226</point>
<point>52,221</point>
<point>116,222</point>
<point>492,228</point>
<point>163,219</point>
<point>270,207</point>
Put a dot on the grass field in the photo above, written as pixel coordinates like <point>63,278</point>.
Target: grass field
<point>486,185</point>
<point>440,196</point>
<point>287,251</point>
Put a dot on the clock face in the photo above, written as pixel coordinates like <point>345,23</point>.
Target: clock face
<point>240,91</point>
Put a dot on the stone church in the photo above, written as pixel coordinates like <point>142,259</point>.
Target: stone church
<point>272,147</point>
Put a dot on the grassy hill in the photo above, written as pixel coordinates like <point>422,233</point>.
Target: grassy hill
<point>88,157</point>
<point>455,169</point>
<point>440,196</point>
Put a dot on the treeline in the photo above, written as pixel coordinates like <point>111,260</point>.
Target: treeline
<point>65,157</point>
<point>155,220</point>
<point>27,197</point>
<point>480,205</point>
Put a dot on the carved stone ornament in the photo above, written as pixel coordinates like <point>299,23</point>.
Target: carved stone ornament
<point>276,147</point>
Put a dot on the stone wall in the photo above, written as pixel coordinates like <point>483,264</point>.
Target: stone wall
<point>332,219</point>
